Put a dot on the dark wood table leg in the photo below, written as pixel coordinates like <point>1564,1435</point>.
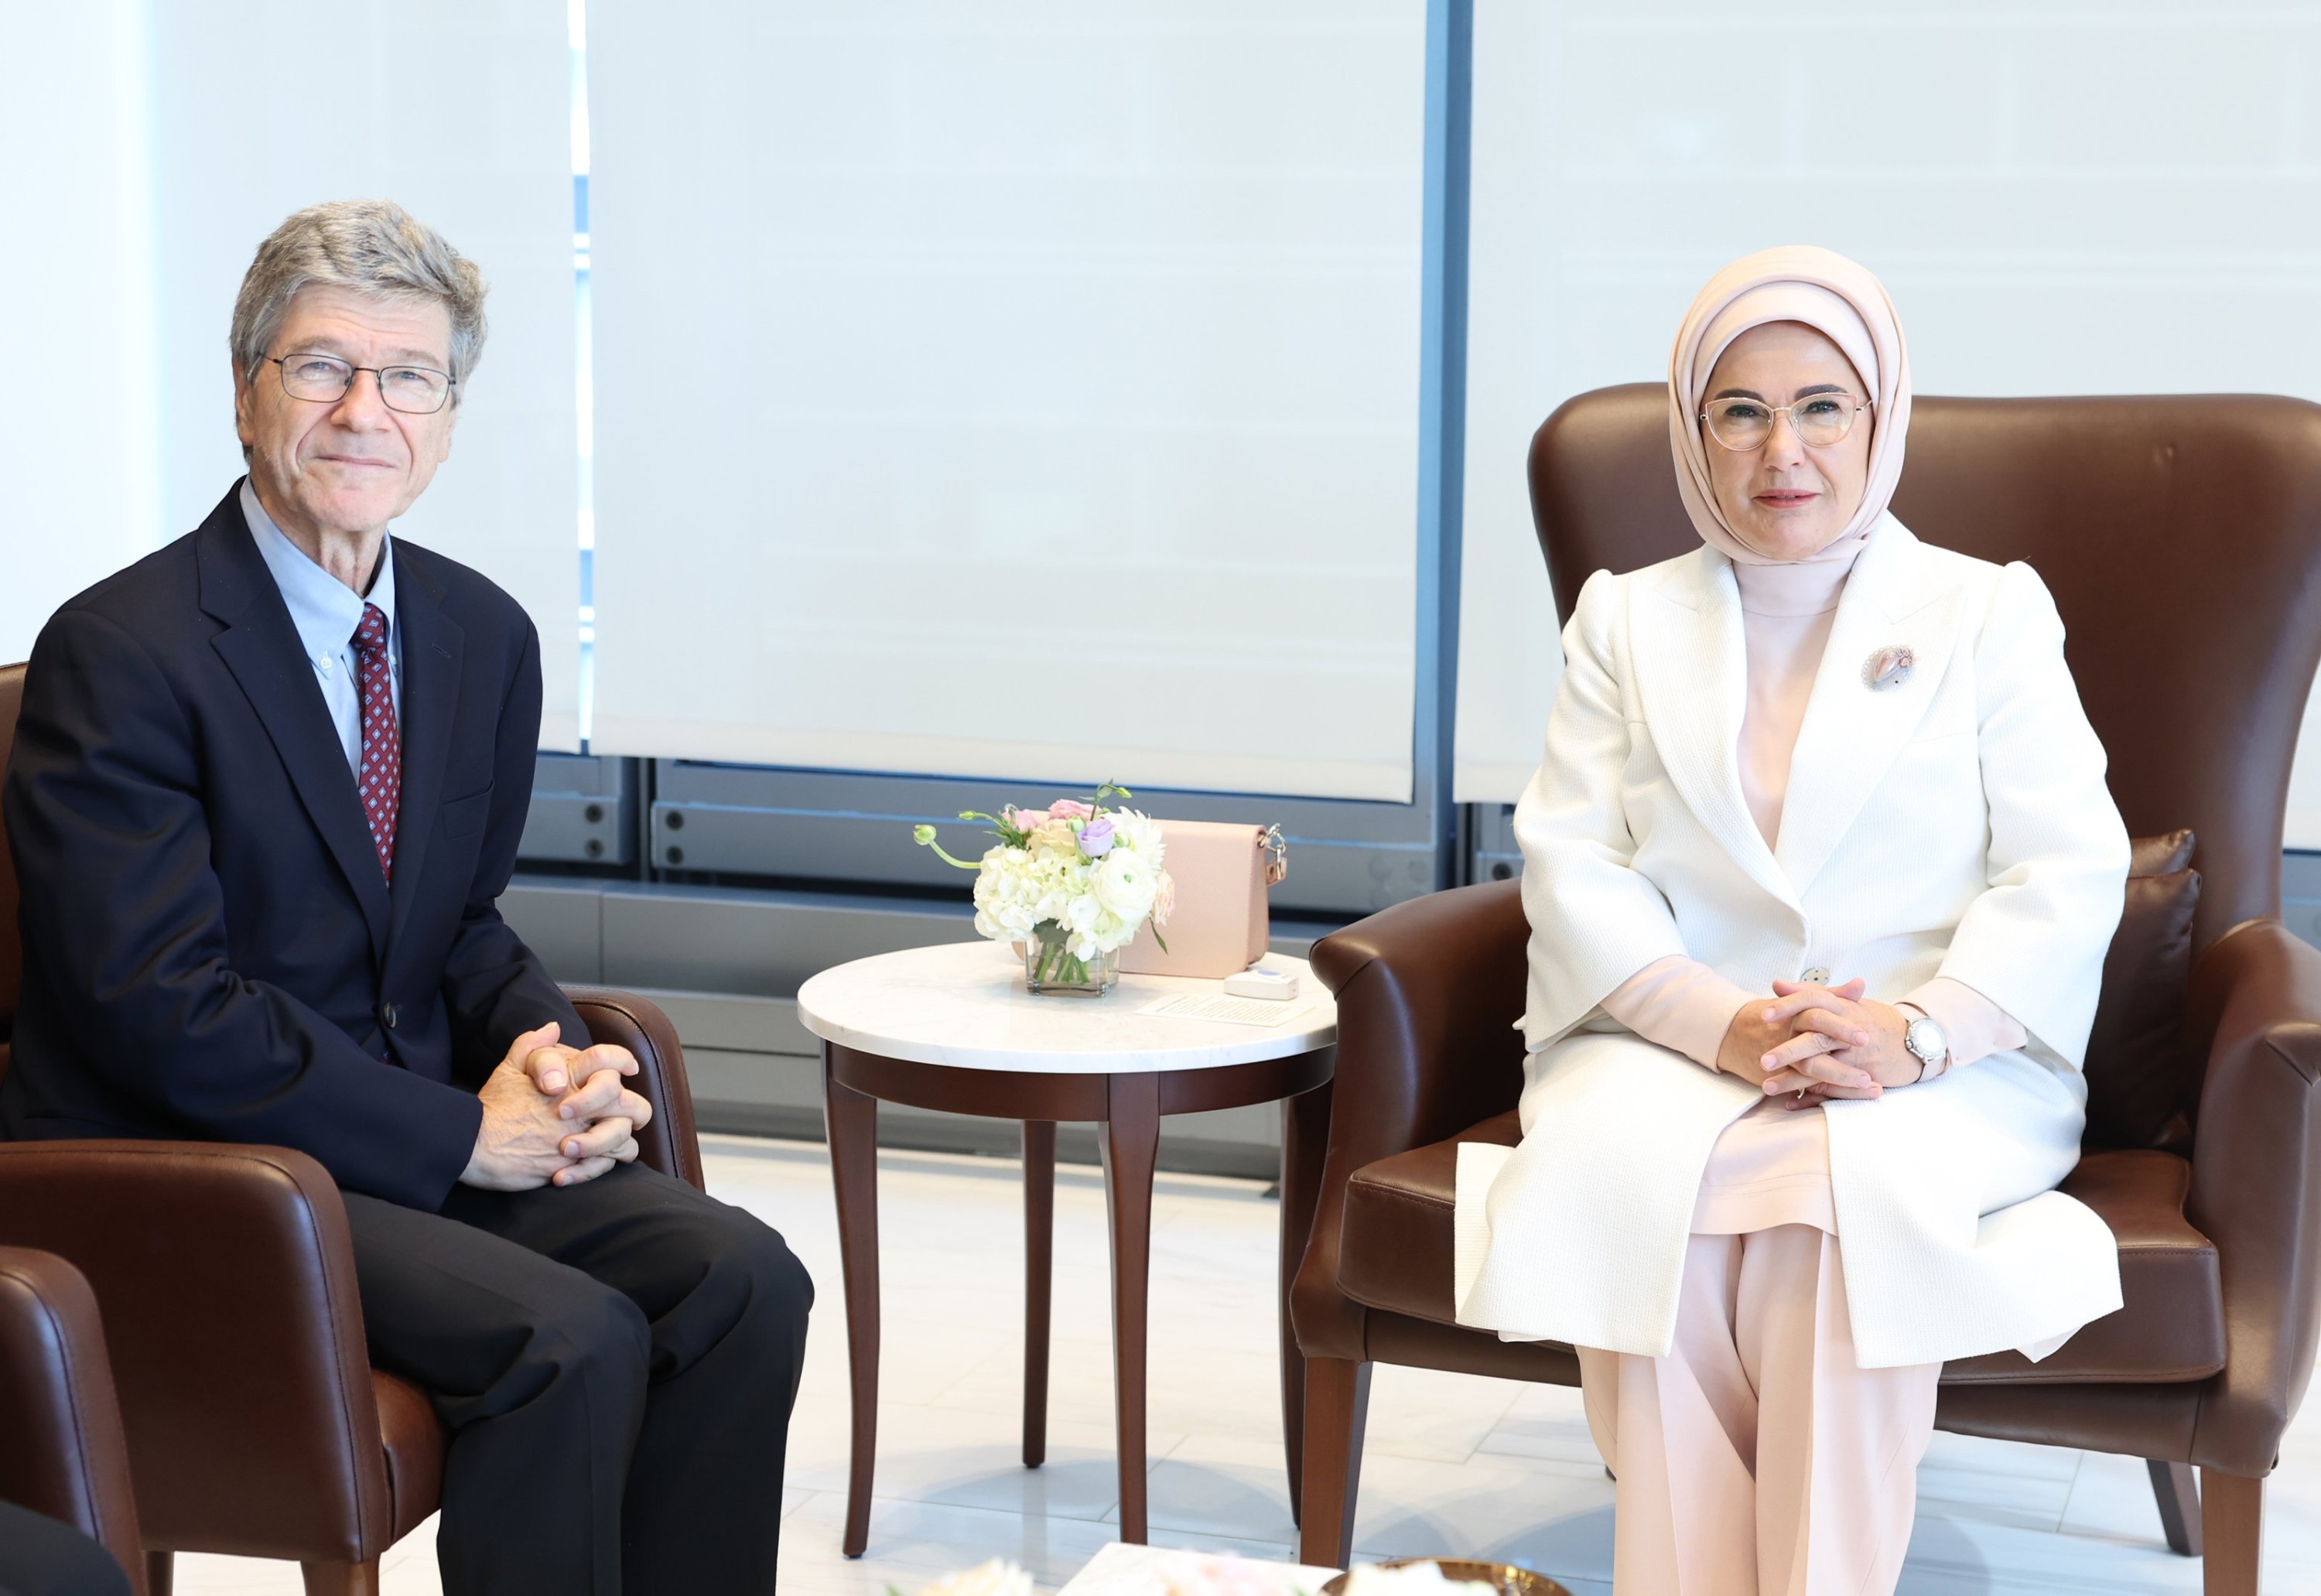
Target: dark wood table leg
<point>1305,1143</point>
<point>1132,1140</point>
<point>1039,1277</point>
<point>851,1119</point>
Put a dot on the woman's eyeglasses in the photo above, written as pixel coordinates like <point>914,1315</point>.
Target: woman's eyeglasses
<point>1820,420</point>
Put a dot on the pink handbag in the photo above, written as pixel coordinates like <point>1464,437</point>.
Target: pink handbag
<point>1222,917</point>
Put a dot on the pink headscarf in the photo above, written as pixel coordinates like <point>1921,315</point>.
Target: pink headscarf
<point>1827,292</point>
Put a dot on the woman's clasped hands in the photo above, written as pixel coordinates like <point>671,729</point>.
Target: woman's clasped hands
<point>1812,1043</point>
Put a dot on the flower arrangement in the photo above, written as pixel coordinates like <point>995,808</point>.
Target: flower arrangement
<point>1172,1573</point>
<point>997,1577</point>
<point>1414,1577</point>
<point>1072,884</point>
<point>1193,1573</point>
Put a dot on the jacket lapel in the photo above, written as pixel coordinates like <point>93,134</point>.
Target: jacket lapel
<point>262,648</point>
<point>1691,664</point>
<point>1852,733</point>
<point>433,646</point>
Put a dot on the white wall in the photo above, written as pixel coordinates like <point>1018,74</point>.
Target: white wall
<point>144,151</point>
<point>1023,390</point>
<point>2062,198</point>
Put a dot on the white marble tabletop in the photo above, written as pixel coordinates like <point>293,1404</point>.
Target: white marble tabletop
<point>963,1004</point>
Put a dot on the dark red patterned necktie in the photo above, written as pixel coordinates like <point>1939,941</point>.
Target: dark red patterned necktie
<point>378,776</point>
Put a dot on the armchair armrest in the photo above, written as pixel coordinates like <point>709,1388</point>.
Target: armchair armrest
<point>66,1456</point>
<point>1429,993</point>
<point>225,1276</point>
<point>2256,1183</point>
<point>669,1142</point>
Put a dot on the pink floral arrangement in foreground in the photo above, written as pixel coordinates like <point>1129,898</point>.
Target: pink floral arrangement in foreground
<point>1193,1573</point>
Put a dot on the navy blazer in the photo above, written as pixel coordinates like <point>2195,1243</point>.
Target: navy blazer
<point>210,948</point>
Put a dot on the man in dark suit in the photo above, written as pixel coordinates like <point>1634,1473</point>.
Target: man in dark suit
<point>268,784</point>
<point>41,1558</point>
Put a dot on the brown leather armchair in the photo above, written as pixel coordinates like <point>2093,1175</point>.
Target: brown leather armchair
<point>256,1425</point>
<point>2181,538</point>
<point>65,1458</point>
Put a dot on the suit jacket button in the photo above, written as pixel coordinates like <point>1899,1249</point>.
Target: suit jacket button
<point>1815,977</point>
<point>386,1013</point>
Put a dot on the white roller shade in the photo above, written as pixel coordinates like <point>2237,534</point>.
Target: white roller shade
<point>459,112</point>
<point>78,420</point>
<point>2062,200</point>
<point>1019,390</point>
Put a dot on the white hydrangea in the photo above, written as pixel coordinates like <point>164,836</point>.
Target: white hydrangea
<point>995,1577</point>
<point>1004,900</point>
<point>1421,1578</point>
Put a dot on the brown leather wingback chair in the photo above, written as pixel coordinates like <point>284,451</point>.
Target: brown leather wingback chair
<point>2181,539</point>
<point>256,1425</point>
<point>64,1456</point>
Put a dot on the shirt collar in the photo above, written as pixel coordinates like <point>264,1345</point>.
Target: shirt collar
<point>323,609</point>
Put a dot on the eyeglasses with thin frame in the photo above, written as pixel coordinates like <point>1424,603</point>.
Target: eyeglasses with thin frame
<point>324,379</point>
<point>1744,424</point>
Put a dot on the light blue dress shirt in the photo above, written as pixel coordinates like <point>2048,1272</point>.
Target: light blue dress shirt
<point>326,612</point>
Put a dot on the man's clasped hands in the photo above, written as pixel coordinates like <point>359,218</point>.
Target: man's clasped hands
<point>555,1115</point>
<point>1812,1043</point>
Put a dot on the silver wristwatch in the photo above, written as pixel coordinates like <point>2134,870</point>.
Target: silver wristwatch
<point>1928,1045</point>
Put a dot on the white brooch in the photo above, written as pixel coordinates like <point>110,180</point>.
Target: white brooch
<point>1889,666</point>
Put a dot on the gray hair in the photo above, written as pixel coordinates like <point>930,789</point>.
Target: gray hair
<point>373,246</point>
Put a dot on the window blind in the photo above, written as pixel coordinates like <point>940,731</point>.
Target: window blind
<point>1016,391</point>
<point>2062,200</point>
<point>170,140</point>
<point>80,423</point>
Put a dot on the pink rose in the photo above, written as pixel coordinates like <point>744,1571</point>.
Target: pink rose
<point>1070,809</point>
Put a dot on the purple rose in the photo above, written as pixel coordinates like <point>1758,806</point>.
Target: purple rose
<point>1096,838</point>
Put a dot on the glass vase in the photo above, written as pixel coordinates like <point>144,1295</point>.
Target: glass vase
<point>1050,970</point>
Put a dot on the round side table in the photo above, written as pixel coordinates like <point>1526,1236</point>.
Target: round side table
<point>951,1027</point>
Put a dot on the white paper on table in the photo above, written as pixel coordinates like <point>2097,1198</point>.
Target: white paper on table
<point>1266,1012</point>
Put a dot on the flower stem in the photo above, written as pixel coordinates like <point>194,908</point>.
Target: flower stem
<point>942,853</point>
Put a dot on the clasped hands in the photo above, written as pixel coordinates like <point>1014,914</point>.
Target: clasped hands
<point>1809,1043</point>
<point>555,1115</point>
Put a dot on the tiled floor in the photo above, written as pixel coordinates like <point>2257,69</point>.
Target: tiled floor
<point>1454,1463</point>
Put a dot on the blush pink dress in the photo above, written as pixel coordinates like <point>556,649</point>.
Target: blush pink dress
<point>1756,1458</point>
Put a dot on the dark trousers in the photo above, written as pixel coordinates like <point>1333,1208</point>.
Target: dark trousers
<point>41,1558</point>
<point>616,1362</point>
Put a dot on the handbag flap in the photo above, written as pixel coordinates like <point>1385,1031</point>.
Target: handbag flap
<point>1222,919</point>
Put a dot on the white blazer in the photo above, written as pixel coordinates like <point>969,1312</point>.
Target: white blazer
<point>1956,825</point>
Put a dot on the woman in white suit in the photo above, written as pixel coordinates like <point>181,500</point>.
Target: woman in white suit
<point>1820,869</point>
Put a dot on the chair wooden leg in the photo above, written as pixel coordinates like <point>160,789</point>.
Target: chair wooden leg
<point>2232,1522</point>
<point>1039,1279</point>
<point>342,1579</point>
<point>1337,1407</point>
<point>160,1573</point>
<point>2177,1492</point>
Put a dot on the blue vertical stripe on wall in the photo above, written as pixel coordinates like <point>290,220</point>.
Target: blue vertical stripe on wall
<point>1443,412</point>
